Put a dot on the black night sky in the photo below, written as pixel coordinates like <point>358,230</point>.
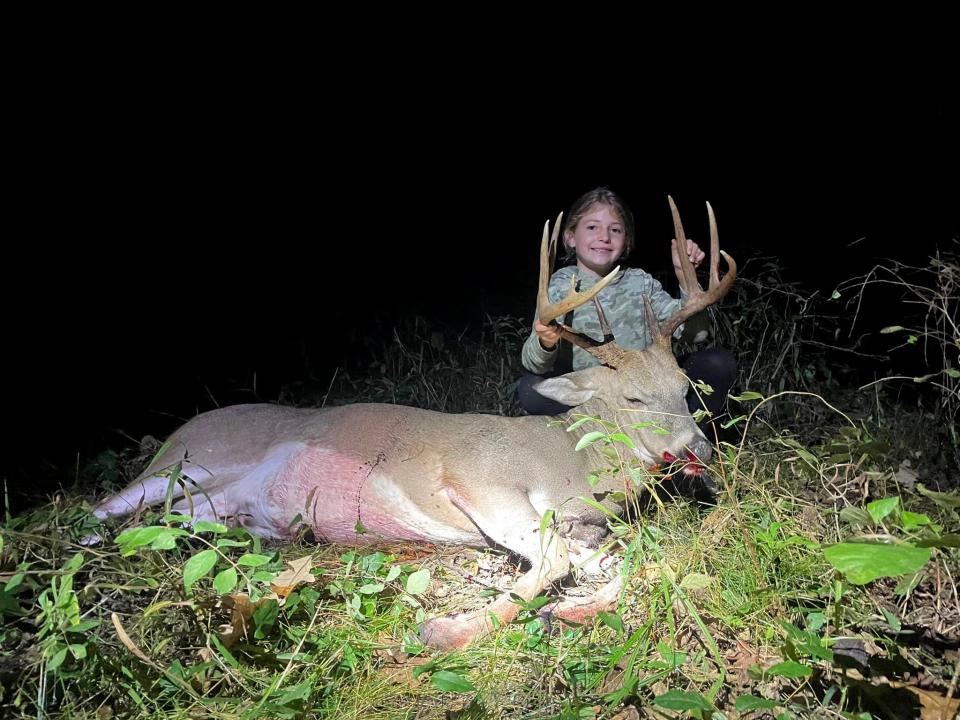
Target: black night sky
<point>172,251</point>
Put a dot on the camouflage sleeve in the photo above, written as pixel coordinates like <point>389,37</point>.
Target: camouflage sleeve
<point>663,303</point>
<point>534,358</point>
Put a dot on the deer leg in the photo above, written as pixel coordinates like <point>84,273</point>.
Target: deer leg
<point>588,559</point>
<point>578,610</point>
<point>513,523</point>
<point>150,491</point>
<point>202,506</point>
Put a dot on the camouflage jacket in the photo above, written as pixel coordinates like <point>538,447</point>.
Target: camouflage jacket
<point>623,306</point>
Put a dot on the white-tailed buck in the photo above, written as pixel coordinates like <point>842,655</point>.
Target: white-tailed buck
<point>368,473</point>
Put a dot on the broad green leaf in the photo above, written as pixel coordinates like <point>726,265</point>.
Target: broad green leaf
<point>207,526</point>
<point>198,566</point>
<point>418,582</point>
<point>370,588</point>
<point>224,542</point>
<point>623,438</point>
<point>578,423</point>
<point>177,518</point>
<point>611,620</point>
<point>879,509</point>
<point>82,627</point>
<point>300,691</point>
<point>225,580</point>
<point>589,439</point>
<point>57,659</point>
<point>791,669</point>
<point>451,682</point>
<point>910,520</point>
<point>530,605</point>
<point>683,701</point>
<point>800,450</point>
<point>393,574</point>
<point>167,540</point>
<point>264,617</point>
<point>671,656</point>
<point>137,537</point>
<point>696,581</point>
<point>748,395</point>
<point>892,620</point>
<point>855,516</point>
<point>733,421</point>
<point>252,560</point>
<point>752,702</point>
<point>14,582</point>
<point>816,620</point>
<point>863,562</point>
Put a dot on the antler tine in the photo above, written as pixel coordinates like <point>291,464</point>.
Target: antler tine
<point>697,298</point>
<point>715,250</point>
<point>548,253</point>
<point>686,267</point>
<point>546,310</point>
<point>604,325</point>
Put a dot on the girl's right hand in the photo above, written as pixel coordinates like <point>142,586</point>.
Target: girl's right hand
<point>549,335</point>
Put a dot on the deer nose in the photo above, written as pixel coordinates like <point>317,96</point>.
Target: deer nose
<point>700,451</point>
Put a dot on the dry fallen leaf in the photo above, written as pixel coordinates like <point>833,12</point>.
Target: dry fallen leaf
<point>241,610</point>
<point>933,705</point>
<point>125,639</point>
<point>298,573</point>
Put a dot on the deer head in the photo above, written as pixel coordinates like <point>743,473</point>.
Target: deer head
<point>644,391</point>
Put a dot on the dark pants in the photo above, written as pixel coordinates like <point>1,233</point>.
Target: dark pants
<point>714,366</point>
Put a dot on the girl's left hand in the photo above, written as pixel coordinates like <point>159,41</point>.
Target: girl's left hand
<point>694,252</point>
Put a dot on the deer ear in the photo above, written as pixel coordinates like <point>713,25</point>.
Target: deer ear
<point>571,389</point>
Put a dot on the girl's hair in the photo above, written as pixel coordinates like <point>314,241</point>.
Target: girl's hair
<point>599,196</point>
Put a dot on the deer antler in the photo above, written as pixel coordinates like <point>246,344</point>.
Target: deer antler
<point>607,352</point>
<point>698,298</point>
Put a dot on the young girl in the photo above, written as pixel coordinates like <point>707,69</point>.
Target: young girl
<point>598,231</point>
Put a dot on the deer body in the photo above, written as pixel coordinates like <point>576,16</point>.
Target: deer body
<point>368,473</point>
<point>399,473</point>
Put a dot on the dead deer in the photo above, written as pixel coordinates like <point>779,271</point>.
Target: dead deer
<point>368,473</point>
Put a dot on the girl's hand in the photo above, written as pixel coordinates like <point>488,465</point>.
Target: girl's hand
<point>549,335</point>
<point>695,254</point>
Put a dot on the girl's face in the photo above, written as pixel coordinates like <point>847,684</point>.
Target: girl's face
<point>598,238</point>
